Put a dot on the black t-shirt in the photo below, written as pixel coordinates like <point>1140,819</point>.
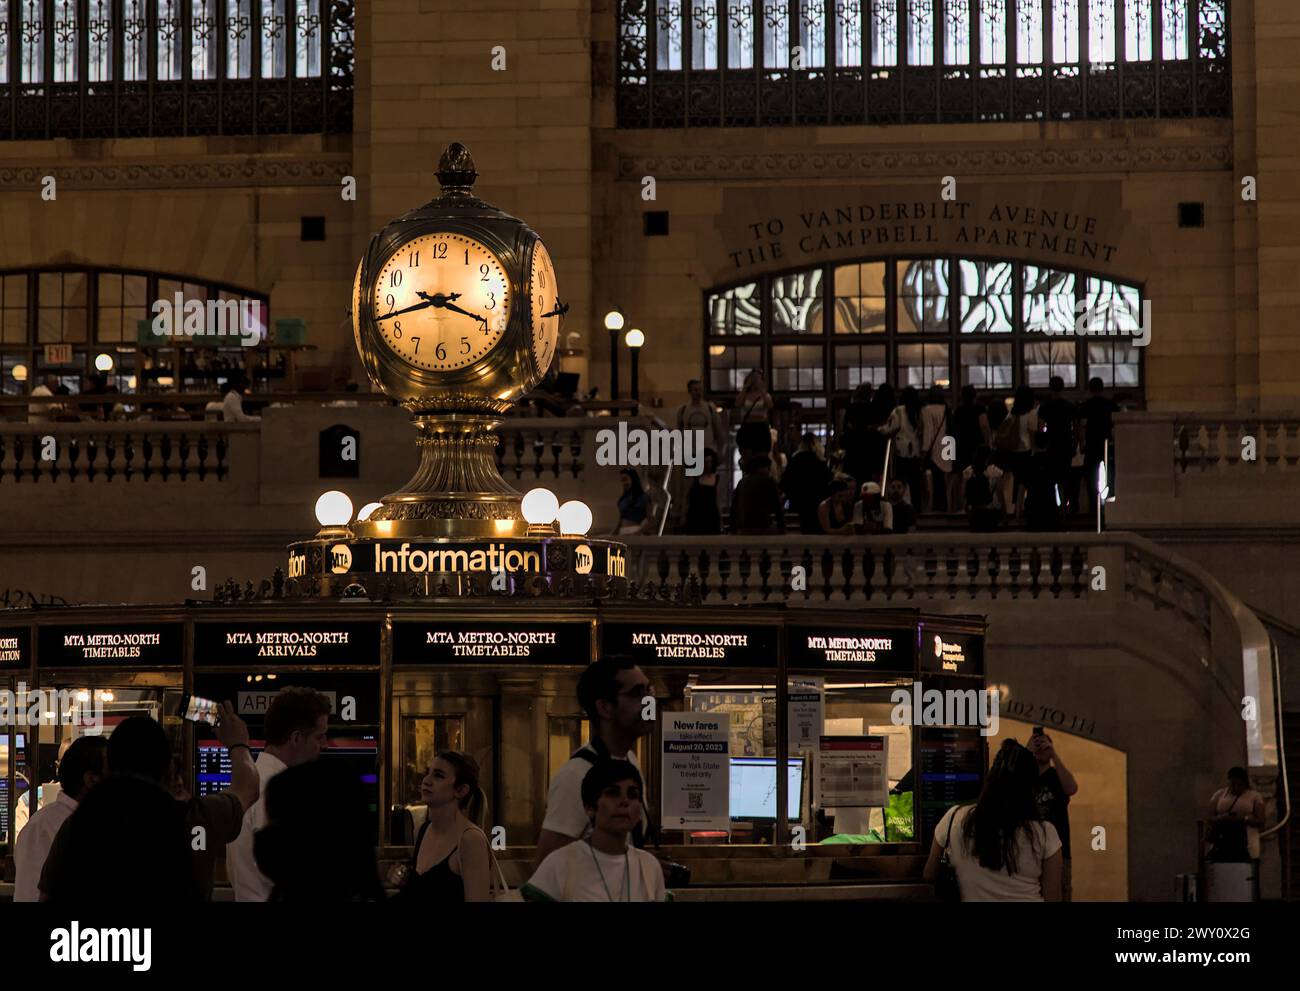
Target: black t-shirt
<point>1098,413</point>
<point>1057,415</point>
<point>1054,806</point>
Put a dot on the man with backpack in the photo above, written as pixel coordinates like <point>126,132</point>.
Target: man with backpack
<point>612,692</point>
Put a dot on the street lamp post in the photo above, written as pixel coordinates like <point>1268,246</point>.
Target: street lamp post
<point>634,340</point>
<point>613,323</point>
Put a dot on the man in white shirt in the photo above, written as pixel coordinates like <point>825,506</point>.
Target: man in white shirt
<point>296,724</point>
<point>41,412</point>
<point>232,405</point>
<point>80,769</point>
<point>612,691</point>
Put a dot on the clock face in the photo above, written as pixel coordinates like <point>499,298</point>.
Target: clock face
<point>442,301</point>
<point>545,304</point>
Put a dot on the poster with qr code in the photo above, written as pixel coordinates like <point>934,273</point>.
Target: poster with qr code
<point>696,765</point>
<point>852,771</point>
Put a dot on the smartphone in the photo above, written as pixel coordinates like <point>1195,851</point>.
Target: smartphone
<point>200,710</point>
<point>1038,731</point>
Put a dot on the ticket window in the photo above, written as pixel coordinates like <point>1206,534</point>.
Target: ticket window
<point>73,709</point>
<point>747,698</point>
<point>874,780</point>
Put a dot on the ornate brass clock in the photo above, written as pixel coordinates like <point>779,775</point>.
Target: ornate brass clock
<point>456,314</point>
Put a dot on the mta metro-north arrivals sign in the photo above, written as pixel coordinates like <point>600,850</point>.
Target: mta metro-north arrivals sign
<point>286,643</point>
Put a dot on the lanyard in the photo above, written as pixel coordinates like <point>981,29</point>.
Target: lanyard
<point>627,879</point>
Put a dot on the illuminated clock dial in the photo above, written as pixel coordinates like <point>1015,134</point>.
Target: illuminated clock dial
<point>442,301</point>
<point>546,308</point>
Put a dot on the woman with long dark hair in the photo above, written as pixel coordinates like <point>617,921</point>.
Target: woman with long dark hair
<point>1000,849</point>
<point>451,862</point>
<point>633,505</point>
<point>904,426</point>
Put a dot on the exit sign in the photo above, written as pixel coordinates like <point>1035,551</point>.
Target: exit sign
<point>58,354</point>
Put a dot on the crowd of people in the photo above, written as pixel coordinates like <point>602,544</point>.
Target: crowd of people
<point>894,460</point>
<point>123,828</point>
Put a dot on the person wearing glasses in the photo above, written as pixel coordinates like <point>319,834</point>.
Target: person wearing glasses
<point>612,692</point>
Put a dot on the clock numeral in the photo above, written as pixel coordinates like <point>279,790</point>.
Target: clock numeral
<point>483,270</point>
<point>492,297</point>
<point>414,260</point>
<point>395,278</point>
<point>464,345</point>
<point>417,343</point>
<point>440,250</point>
<point>541,278</point>
<point>397,328</point>
<point>440,351</point>
<point>391,300</point>
<point>467,256</point>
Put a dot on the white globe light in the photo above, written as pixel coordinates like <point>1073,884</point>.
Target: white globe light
<point>104,362</point>
<point>366,510</point>
<point>540,506</point>
<point>613,320</point>
<point>575,518</point>
<point>634,338</point>
<point>20,373</point>
<point>333,508</point>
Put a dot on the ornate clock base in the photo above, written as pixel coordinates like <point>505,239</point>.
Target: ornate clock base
<point>456,491</point>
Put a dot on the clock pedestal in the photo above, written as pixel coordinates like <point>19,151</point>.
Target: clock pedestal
<point>457,490</point>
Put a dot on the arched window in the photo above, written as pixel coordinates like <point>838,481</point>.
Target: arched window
<point>106,68</point>
<point>737,63</point>
<point>60,321</point>
<point>949,321</point>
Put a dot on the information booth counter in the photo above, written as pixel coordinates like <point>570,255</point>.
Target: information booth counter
<point>756,709</point>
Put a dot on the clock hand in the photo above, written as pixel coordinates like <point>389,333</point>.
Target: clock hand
<point>560,309</point>
<point>456,309</point>
<point>398,313</point>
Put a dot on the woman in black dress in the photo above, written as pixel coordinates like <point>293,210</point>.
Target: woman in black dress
<point>450,862</point>
<point>702,514</point>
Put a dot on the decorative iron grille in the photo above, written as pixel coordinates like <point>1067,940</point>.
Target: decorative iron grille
<point>142,68</point>
<point>750,63</point>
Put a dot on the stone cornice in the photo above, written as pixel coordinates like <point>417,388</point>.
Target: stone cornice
<point>1076,158</point>
<point>155,174</point>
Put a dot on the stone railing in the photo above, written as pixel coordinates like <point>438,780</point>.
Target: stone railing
<point>1223,443</point>
<point>541,448</point>
<point>63,453</point>
<point>894,570</point>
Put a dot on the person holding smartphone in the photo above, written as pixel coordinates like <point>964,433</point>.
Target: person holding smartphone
<point>1053,790</point>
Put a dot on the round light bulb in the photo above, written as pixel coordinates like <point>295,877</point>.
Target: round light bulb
<point>717,350</point>
<point>539,506</point>
<point>575,518</point>
<point>613,320</point>
<point>103,362</point>
<point>20,373</point>
<point>634,338</point>
<point>83,696</point>
<point>366,510</point>
<point>130,381</point>
<point>333,508</point>
<point>106,696</point>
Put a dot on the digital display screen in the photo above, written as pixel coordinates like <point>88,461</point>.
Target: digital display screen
<point>212,762</point>
<point>753,788</point>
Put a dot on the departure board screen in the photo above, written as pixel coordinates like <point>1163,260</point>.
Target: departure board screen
<point>952,772</point>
